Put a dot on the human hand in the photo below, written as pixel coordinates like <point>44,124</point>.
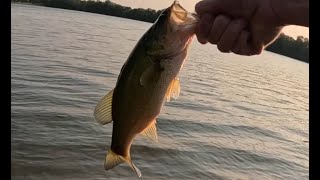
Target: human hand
<point>243,27</point>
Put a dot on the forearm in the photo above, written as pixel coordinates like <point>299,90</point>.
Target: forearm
<point>292,12</point>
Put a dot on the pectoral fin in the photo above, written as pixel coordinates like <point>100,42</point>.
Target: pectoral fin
<point>103,111</point>
<point>151,132</point>
<point>173,89</point>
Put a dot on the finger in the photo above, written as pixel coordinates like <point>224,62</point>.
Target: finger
<point>240,8</point>
<point>257,49</point>
<point>241,46</point>
<point>220,24</point>
<point>231,34</point>
<point>244,46</point>
<point>203,28</point>
<point>213,6</point>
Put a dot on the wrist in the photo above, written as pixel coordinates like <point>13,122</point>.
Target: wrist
<point>291,12</point>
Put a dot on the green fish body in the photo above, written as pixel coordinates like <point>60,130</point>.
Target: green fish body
<point>148,78</point>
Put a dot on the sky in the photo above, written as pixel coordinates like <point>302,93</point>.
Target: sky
<point>293,31</point>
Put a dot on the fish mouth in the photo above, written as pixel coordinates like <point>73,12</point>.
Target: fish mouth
<point>180,18</point>
<point>174,29</point>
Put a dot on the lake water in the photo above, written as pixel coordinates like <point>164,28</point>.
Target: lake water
<point>236,118</point>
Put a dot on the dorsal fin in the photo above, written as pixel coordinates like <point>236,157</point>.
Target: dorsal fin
<point>103,110</point>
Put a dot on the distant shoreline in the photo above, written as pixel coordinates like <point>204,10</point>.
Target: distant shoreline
<point>285,45</point>
<point>28,3</point>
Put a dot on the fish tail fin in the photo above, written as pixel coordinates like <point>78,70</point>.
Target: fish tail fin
<point>113,159</point>
<point>134,167</point>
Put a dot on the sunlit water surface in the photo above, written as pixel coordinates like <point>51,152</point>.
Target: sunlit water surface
<point>236,118</point>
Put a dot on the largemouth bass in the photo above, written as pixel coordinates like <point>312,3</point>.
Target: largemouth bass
<point>148,78</point>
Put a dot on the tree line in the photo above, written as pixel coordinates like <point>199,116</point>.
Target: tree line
<point>284,45</point>
<point>294,48</point>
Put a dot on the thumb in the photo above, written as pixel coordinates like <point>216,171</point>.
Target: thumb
<point>233,8</point>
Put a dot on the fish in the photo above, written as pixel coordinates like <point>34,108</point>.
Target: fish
<point>147,80</point>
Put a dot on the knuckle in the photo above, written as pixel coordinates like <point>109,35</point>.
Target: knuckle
<point>240,22</point>
<point>206,19</point>
<point>222,19</point>
<point>247,7</point>
<point>236,26</point>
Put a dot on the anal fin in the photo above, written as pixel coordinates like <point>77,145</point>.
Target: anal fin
<point>151,132</point>
<point>103,110</point>
<point>173,89</point>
